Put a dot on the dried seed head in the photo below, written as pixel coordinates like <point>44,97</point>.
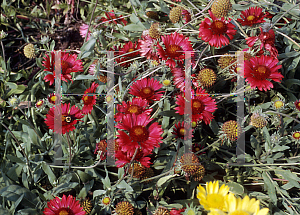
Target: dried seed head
<point>258,121</point>
<point>232,130</point>
<point>189,163</point>
<point>152,15</point>
<point>86,206</point>
<point>220,8</point>
<point>124,208</point>
<point>29,51</point>
<point>138,170</point>
<point>161,211</point>
<point>147,174</point>
<point>199,173</point>
<point>207,77</point>
<point>175,14</point>
<point>154,31</point>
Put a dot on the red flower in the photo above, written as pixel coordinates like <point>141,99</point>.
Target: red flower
<point>179,77</point>
<point>66,205</point>
<point>202,106</point>
<point>147,45</point>
<point>83,30</point>
<point>297,104</point>
<point>215,31</point>
<point>51,98</point>
<point>126,49</point>
<point>186,16</point>
<point>138,134</point>
<point>69,64</point>
<point>69,118</point>
<point>175,211</point>
<point>174,47</point>
<point>89,100</point>
<point>258,72</point>
<point>111,17</point>
<point>251,16</point>
<point>181,129</point>
<point>125,158</point>
<point>146,89</point>
<point>136,106</point>
<point>267,40</point>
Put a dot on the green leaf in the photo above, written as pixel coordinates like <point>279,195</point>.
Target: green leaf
<point>15,159</point>
<point>14,192</point>
<point>135,27</point>
<point>124,185</point>
<point>84,176</point>
<point>98,193</point>
<point>267,139</point>
<point>85,77</point>
<point>288,55</point>
<point>164,179</point>
<point>279,148</point>
<point>168,113</point>
<point>52,178</point>
<point>236,188</point>
<point>291,82</point>
<point>20,89</point>
<point>270,187</point>
<point>87,48</point>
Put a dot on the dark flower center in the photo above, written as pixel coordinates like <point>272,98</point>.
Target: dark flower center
<point>174,51</point>
<point>139,133</point>
<point>67,118</point>
<point>197,106</point>
<point>87,99</point>
<point>64,66</point>
<point>250,18</point>
<point>261,72</point>
<point>182,131</point>
<point>147,92</point>
<point>134,109</point>
<point>64,211</point>
<point>218,27</point>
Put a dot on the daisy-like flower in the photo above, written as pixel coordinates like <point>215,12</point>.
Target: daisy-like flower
<point>278,104</point>
<point>258,72</point>
<point>124,158</point>
<point>296,136</point>
<point>127,49</point>
<point>136,106</point>
<point>238,206</point>
<point>267,40</point>
<point>69,117</point>
<point>216,31</point>
<point>66,205</point>
<point>213,197</point>
<point>179,77</point>
<point>138,133</point>
<point>147,88</point>
<point>40,104</point>
<point>297,104</point>
<point>14,101</point>
<point>69,64</point>
<point>182,129</point>
<point>89,100</point>
<point>51,98</point>
<point>175,46</point>
<point>252,16</point>
<point>83,30</point>
<point>148,47</point>
<point>202,106</point>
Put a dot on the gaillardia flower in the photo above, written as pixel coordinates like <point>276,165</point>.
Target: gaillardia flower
<point>297,104</point>
<point>259,71</point>
<point>216,31</point>
<point>89,100</point>
<point>252,16</point>
<point>65,206</point>
<point>202,106</point>
<point>83,30</point>
<point>124,208</point>
<point>136,106</point>
<point>147,88</point>
<point>183,131</point>
<point>135,132</point>
<point>178,77</point>
<point>175,46</point>
<point>69,117</point>
<point>69,64</point>
<point>267,40</point>
<point>213,197</point>
<point>148,48</point>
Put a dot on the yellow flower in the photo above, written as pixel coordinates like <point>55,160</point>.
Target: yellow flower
<point>214,196</point>
<point>238,206</point>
